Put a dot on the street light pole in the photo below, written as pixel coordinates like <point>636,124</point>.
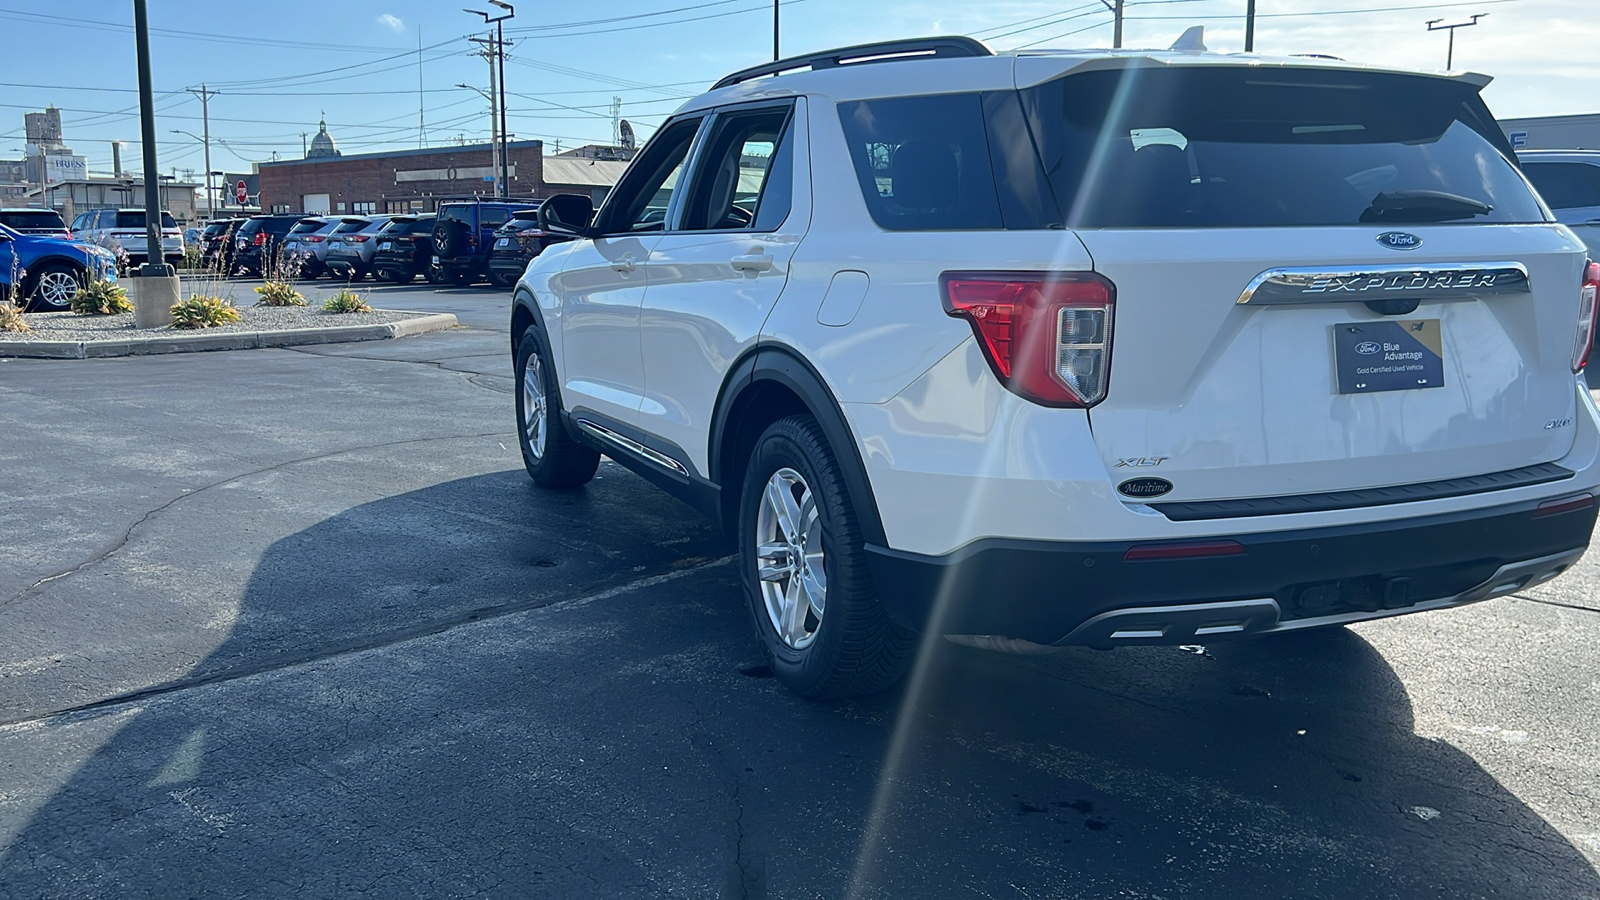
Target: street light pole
<point>775,56</point>
<point>500,48</point>
<point>155,261</point>
<point>1250,27</point>
<point>205,117</point>
<point>1450,54</point>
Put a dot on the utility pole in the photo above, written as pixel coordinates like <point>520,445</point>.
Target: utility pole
<point>494,116</point>
<point>1115,6</point>
<point>304,150</point>
<point>205,118</point>
<point>1250,27</point>
<point>775,56</point>
<point>422,123</point>
<point>1450,55</point>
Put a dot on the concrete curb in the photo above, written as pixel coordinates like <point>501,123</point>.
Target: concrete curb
<point>239,340</point>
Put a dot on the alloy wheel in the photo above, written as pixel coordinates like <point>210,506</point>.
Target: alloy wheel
<point>56,289</point>
<point>790,560</point>
<point>535,411</point>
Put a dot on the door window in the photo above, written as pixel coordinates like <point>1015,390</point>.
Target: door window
<point>1565,185</point>
<point>747,174</point>
<point>641,200</point>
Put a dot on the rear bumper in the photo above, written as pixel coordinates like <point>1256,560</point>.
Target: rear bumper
<point>1048,592</point>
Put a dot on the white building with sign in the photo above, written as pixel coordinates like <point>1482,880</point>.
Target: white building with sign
<point>1576,132</point>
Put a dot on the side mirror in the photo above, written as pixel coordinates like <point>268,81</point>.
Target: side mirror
<point>568,214</point>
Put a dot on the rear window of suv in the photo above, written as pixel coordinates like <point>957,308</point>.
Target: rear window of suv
<point>1565,185</point>
<point>26,220</point>
<point>136,220</point>
<point>1157,147</point>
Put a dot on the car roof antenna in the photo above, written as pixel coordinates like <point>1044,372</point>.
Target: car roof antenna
<point>1192,40</point>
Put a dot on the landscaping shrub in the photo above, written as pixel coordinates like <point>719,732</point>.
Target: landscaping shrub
<point>203,312</point>
<point>279,293</point>
<point>346,301</point>
<point>101,298</point>
<point>11,318</point>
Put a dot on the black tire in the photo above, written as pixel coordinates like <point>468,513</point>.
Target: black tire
<point>47,286</point>
<point>434,274</point>
<point>855,648</point>
<point>563,462</point>
<point>504,282</point>
<point>449,239</point>
<point>462,279</point>
<point>399,276</point>
<point>362,272</point>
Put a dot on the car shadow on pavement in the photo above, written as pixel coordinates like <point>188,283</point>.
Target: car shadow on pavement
<point>608,737</point>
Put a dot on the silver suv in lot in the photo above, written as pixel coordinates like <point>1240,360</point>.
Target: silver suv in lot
<point>1075,348</point>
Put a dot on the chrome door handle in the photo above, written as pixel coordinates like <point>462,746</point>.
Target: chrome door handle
<point>623,265</point>
<point>752,262</point>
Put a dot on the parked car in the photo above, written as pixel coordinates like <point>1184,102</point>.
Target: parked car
<point>405,250</point>
<point>45,222</point>
<point>1569,182</point>
<point>307,242</point>
<point>258,244</point>
<point>122,232</point>
<point>463,234</point>
<point>48,270</point>
<point>1204,353</point>
<point>351,246</point>
<point>216,244</point>
<point>516,242</point>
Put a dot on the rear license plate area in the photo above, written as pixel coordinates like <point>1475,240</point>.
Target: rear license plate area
<point>1388,355</point>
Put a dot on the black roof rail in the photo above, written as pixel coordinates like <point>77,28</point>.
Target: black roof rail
<point>883,51</point>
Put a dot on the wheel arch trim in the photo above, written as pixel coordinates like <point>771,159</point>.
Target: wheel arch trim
<point>777,364</point>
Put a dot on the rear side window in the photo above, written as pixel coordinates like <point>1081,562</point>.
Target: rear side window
<point>1245,147</point>
<point>455,214</point>
<point>307,226</point>
<point>351,226</point>
<point>923,162</point>
<point>1565,185</point>
<point>493,217</point>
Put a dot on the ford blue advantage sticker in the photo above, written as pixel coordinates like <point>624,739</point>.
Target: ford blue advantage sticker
<point>1389,355</point>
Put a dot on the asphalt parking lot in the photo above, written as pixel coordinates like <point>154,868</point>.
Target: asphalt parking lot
<point>295,623</point>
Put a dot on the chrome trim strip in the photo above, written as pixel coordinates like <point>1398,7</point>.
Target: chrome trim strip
<point>638,449</point>
<point>1436,281</point>
<point>1189,623</point>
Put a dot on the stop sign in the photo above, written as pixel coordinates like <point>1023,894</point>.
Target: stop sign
<point>241,192</point>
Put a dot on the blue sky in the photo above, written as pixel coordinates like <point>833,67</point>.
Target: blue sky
<point>282,65</point>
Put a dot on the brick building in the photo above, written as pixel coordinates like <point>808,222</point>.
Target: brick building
<point>396,181</point>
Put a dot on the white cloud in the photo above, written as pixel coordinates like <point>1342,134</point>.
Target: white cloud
<point>393,23</point>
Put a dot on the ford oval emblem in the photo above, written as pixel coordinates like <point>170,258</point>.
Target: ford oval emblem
<point>1144,487</point>
<point>1367,348</point>
<point>1399,240</point>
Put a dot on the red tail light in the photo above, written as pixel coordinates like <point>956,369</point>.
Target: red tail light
<point>358,238</point>
<point>1565,505</point>
<point>1586,312</point>
<point>531,233</point>
<point>261,239</point>
<point>314,238</point>
<point>1047,335</point>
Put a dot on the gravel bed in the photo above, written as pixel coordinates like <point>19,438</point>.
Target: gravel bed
<point>66,326</point>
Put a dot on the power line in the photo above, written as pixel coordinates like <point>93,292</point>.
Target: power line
<point>98,25</point>
<point>1328,12</point>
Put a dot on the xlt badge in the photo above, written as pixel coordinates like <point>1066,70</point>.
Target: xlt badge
<point>1141,462</point>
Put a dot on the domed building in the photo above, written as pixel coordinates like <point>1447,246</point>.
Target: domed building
<point>322,146</point>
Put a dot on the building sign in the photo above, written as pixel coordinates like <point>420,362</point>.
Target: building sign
<point>460,173</point>
<point>1519,140</point>
<point>65,168</point>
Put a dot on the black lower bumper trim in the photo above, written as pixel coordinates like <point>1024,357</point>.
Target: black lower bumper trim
<point>1041,591</point>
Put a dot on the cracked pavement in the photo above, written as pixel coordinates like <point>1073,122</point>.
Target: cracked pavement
<point>294,623</point>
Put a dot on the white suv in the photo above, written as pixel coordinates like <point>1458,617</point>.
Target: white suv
<point>1569,181</point>
<point>1094,348</point>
